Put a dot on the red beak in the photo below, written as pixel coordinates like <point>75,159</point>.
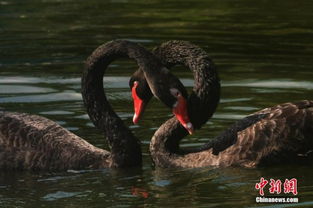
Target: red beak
<point>139,104</point>
<point>181,113</point>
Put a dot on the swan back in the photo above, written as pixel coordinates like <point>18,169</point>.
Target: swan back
<point>37,143</point>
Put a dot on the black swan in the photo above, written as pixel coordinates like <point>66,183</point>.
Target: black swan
<point>31,142</point>
<point>282,133</point>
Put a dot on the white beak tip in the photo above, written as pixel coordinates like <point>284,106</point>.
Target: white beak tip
<point>135,118</point>
<point>189,128</point>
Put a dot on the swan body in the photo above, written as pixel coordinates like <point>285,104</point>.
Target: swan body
<point>31,142</point>
<point>283,133</point>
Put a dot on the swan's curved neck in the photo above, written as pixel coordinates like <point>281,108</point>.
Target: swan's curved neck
<point>125,147</point>
<point>203,101</point>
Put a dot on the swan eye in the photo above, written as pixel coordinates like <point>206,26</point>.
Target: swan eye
<point>134,87</point>
<point>135,83</point>
<point>175,92</point>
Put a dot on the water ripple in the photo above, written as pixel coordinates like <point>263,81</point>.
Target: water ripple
<point>283,84</point>
<point>60,195</point>
<point>53,97</point>
<point>17,89</point>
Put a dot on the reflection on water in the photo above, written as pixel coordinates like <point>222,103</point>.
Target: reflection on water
<point>263,52</point>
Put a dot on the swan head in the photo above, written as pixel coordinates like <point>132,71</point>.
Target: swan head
<point>141,94</point>
<point>180,110</point>
<point>169,89</point>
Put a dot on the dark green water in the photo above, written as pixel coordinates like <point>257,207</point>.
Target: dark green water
<point>263,51</point>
